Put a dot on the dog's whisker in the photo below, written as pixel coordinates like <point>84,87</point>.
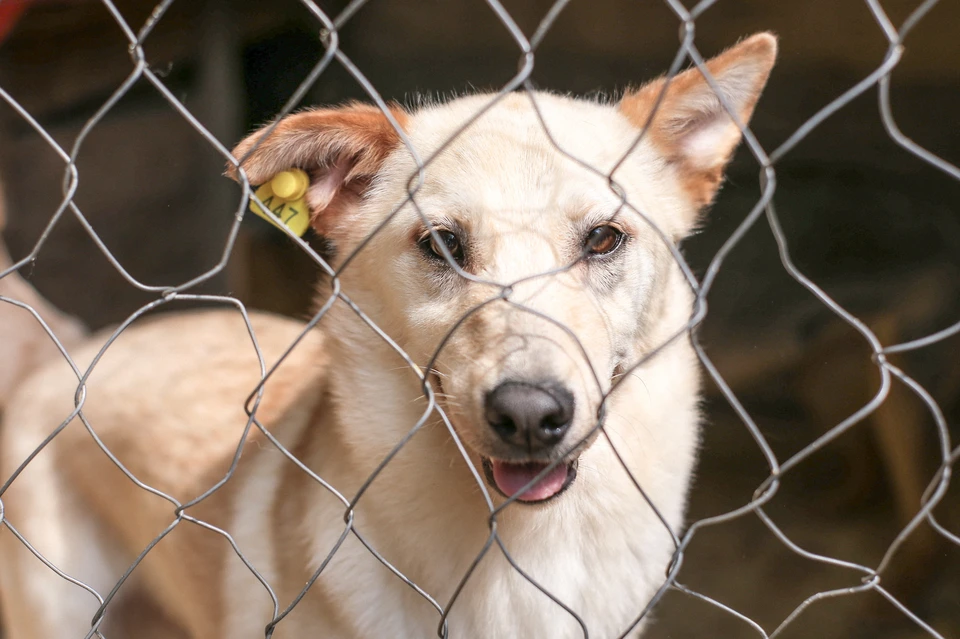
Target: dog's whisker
<point>439,373</point>
<point>447,399</point>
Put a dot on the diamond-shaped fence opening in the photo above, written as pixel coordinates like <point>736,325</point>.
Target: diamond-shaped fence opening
<point>824,315</point>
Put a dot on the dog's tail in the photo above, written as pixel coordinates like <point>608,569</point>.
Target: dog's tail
<point>24,343</point>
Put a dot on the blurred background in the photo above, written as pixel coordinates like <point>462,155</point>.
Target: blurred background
<point>877,228</point>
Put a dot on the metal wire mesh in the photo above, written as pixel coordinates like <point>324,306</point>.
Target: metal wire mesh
<point>779,469</point>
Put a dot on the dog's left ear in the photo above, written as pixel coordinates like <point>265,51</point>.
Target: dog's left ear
<point>691,126</point>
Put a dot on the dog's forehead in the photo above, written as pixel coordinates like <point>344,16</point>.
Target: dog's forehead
<point>515,156</point>
<point>522,129</point>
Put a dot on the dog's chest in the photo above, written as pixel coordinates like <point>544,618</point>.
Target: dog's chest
<point>552,586</point>
<point>559,578</point>
<point>556,588</point>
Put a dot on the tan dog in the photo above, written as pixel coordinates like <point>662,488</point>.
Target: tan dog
<point>521,378</point>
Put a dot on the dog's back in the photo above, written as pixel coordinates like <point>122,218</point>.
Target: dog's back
<point>167,400</point>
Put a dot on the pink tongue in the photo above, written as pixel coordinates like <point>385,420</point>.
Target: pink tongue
<point>510,478</point>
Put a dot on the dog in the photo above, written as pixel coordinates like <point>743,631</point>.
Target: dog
<point>546,380</point>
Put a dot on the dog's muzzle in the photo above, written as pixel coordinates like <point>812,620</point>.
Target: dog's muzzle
<point>532,420</point>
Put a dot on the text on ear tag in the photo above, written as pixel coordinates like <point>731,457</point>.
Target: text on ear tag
<point>285,198</point>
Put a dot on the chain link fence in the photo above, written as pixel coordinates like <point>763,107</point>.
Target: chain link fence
<point>865,578</point>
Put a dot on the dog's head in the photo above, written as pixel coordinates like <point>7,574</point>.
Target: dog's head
<point>517,272</point>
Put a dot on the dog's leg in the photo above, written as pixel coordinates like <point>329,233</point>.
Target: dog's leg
<point>37,602</point>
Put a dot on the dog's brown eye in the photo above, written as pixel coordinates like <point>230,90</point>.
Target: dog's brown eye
<point>430,246</point>
<point>603,240</point>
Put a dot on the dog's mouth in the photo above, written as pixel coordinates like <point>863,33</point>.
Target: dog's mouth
<point>510,478</point>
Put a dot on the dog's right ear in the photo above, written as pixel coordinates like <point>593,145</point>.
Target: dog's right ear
<point>341,149</point>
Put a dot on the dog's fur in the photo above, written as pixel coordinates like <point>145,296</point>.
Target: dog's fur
<point>168,397</point>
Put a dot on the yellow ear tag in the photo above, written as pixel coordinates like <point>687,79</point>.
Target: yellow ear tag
<point>284,198</point>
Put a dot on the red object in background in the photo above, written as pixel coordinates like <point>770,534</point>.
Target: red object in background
<point>10,11</point>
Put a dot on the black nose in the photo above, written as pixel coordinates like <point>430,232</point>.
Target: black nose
<point>530,416</point>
